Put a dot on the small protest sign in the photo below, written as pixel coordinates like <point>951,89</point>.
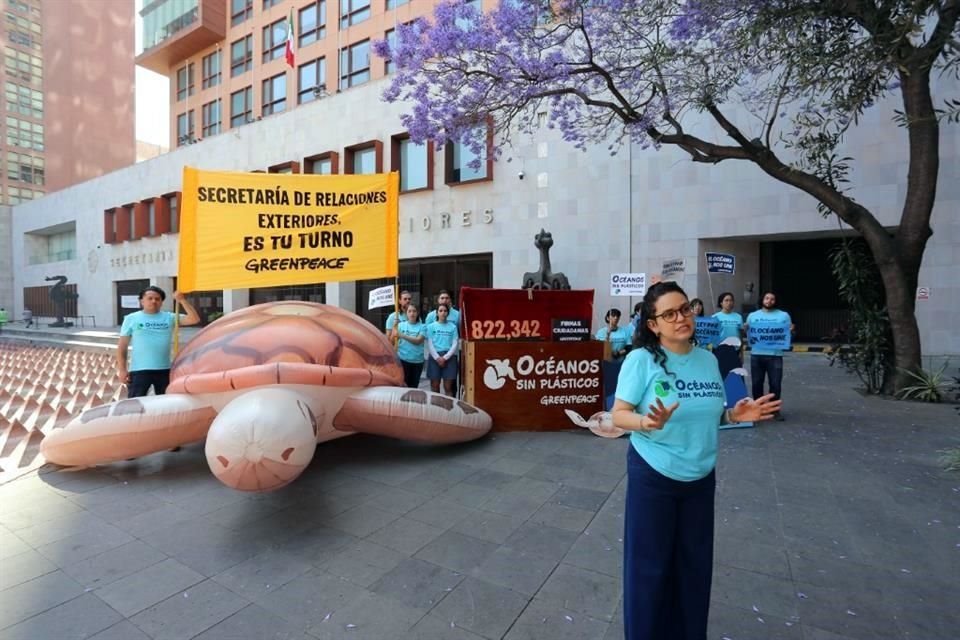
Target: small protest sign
<point>721,262</point>
<point>769,335</point>
<point>381,297</point>
<point>707,331</point>
<point>628,284</point>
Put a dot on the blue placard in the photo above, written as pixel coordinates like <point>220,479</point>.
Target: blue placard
<point>721,262</point>
<point>775,335</point>
<point>708,331</point>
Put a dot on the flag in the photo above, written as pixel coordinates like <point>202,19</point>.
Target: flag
<point>289,51</point>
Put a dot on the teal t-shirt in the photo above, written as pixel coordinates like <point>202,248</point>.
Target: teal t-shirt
<point>392,320</point>
<point>443,335</point>
<point>453,317</point>
<point>150,338</point>
<point>761,317</point>
<point>730,324</point>
<point>686,448</point>
<point>407,351</point>
<point>620,338</point>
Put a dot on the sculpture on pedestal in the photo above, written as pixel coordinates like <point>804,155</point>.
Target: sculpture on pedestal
<point>545,278</point>
<point>59,296</point>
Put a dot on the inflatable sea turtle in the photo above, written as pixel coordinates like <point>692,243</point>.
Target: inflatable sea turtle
<point>264,385</point>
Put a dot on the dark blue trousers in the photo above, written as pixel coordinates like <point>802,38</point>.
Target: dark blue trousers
<point>667,554</point>
<point>772,368</point>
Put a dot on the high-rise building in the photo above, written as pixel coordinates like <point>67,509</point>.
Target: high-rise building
<point>68,85</point>
<point>226,58</point>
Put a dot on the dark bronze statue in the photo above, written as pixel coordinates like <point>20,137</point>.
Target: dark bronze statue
<point>59,296</point>
<point>545,278</point>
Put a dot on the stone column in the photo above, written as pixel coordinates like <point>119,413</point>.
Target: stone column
<point>343,295</point>
<point>234,299</point>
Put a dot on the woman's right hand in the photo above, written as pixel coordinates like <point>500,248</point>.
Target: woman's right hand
<point>658,415</point>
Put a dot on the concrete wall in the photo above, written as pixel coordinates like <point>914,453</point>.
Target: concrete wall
<point>628,212</point>
<point>88,85</point>
<point>6,259</point>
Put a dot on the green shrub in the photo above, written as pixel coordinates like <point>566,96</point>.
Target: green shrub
<point>931,385</point>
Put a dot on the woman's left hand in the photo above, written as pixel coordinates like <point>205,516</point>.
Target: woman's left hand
<point>750,410</point>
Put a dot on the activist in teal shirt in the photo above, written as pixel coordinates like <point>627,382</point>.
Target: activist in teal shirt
<point>766,360</point>
<point>400,314</point>
<point>670,396</point>
<point>411,335</point>
<point>619,337</point>
<point>731,322</point>
<point>150,331</point>
<point>443,340</point>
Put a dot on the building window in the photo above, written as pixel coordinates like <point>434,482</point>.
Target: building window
<point>464,164</point>
<point>311,80</point>
<point>285,167</point>
<point>269,3</point>
<point>211,70</point>
<point>240,11</point>
<point>393,4</point>
<point>241,107</point>
<point>364,158</point>
<point>241,56</point>
<point>151,217</point>
<point>465,24</point>
<point>25,168</point>
<point>313,22</point>
<point>211,118</point>
<point>353,12</point>
<point>24,100</point>
<point>23,66</point>
<point>391,37</point>
<point>274,40</point>
<point>323,164</point>
<point>413,161</point>
<point>21,133</point>
<point>16,195</point>
<point>185,82</point>
<point>185,130</point>
<point>173,205</point>
<point>274,94</point>
<point>355,64</point>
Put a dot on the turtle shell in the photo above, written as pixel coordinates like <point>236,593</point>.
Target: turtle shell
<point>288,342</point>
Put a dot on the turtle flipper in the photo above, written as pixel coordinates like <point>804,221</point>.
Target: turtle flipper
<point>128,429</point>
<point>412,414</point>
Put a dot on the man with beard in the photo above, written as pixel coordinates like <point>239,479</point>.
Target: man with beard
<point>764,361</point>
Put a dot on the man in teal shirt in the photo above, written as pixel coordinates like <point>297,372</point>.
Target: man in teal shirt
<point>151,332</point>
<point>767,362</point>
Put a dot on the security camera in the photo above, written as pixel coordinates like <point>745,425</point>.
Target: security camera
<point>521,174</point>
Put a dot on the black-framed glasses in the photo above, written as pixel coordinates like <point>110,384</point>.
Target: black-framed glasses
<point>671,315</point>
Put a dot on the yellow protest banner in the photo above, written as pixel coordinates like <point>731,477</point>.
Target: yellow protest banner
<point>245,230</point>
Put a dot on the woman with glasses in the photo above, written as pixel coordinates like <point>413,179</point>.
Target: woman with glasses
<point>442,343</point>
<point>670,397</point>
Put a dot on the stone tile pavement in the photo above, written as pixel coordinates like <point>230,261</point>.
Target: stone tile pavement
<point>835,525</point>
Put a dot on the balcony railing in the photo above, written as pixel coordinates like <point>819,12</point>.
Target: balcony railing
<point>164,19</point>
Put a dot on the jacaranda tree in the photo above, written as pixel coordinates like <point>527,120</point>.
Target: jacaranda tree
<point>644,71</point>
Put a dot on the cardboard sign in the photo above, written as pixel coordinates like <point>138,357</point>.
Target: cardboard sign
<point>774,335</point>
<point>707,331</point>
<point>381,297</point>
<point>628,284</point>
<point>527,385</point>
<point>923,293</point>
<point>673,268</point>
<point>721,262</point>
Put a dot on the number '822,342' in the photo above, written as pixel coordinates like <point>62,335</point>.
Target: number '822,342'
<point>504,330</point>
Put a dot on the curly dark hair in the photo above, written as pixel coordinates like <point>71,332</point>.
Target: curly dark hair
<point>643,337</point>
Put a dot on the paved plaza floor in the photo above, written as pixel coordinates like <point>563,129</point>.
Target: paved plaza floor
<point>838,524</point>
